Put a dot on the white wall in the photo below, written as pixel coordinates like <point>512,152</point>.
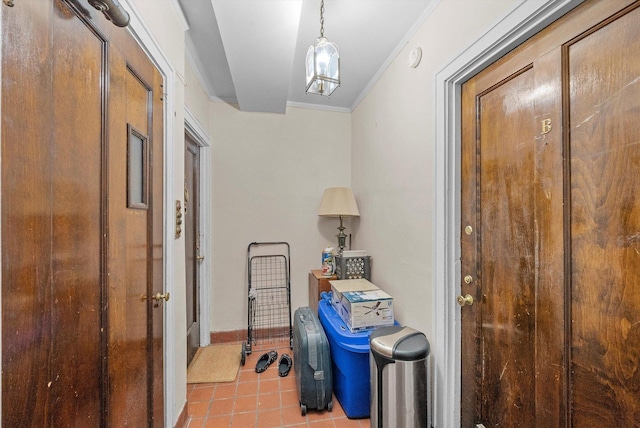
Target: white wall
<point>393,150</point>
<point>269,172</point>
<point>394,131</point>
<point>196,99</point>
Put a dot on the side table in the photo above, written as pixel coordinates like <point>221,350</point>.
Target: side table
<point>317,284</point>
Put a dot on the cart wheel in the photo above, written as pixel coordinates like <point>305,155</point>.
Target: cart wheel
<point>330,405</point>
<point>243,353</point>
<point>303,409</point>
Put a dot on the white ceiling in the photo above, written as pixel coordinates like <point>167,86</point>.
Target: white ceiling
<point>251,52</point>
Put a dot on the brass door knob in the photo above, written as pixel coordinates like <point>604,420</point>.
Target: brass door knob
<point>159,297</point>
<point>465,300</point>
<point>200,258</point>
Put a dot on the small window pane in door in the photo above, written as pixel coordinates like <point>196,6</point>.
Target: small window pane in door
<point>137,168</point>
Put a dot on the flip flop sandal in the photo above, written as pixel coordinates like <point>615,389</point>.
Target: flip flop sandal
<point>265,361</point>
<point>284,365</point>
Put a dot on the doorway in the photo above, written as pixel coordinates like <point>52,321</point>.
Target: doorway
<point>550,314</point>
<point>197,242</point>
<point>193,256</point>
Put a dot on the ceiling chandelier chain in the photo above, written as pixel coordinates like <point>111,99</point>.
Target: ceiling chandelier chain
<point>321,18</point>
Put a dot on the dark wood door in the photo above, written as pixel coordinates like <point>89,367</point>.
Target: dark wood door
<point>136,298</point>
<point>81,342</point>
<point>192,243</point>
<point>549,216</point>
<point>52,275</point>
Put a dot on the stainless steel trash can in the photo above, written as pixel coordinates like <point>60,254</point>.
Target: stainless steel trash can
<point>399,378</point>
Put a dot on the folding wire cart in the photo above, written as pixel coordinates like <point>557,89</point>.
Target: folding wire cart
<point>269,294</point>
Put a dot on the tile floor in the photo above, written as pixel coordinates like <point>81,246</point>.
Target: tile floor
<point>259,400</point>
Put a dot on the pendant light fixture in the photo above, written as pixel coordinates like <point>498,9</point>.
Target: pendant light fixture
<point>322,63</point>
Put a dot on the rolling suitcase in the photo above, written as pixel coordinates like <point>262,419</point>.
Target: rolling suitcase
<point>311,362</point>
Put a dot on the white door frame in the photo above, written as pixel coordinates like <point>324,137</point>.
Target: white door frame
<point>526,18</point>
<point>197,132</point>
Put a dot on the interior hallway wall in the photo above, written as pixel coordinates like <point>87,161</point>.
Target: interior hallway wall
<point>269,172</point>
<point>393,174</point>
<point>196,99</point>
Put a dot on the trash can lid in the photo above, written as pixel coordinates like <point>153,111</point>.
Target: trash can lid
<point>399,343</point>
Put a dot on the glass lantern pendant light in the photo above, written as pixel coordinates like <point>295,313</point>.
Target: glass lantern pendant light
<point>323,63</point>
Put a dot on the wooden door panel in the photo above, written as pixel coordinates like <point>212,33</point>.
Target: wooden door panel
<point>76,203</point>
<point>605,222</point>
<point>26,227</point>
<point>135,247</point>
<point>548,228</point>
<point>507,273</point>
<point>549,184</point>
<point>516,167</point>
<point>52,228</point>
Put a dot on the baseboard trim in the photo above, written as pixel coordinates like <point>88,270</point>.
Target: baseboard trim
<point>228,336</point>
<point>259,334</point>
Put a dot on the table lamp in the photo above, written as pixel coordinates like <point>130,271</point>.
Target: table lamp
<point>339,202</point>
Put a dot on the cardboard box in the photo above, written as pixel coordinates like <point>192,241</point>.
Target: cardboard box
<point>361,305</point>
<point>339,286</point>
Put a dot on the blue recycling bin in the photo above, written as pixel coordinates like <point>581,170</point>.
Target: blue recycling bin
<point>350,361</point>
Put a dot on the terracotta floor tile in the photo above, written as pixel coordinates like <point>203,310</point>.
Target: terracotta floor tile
<point>292,415</point>
<point>201,394</point>
<point>318,415</point>
<point>269,419</point>
<point>221,407</point>
<point>269,401</point>
<point>249,375</point>
<point>223,421</point>
<point>288,382</point>
<point>195,423</point>
<point>198,409</point>
<point>270,373</point>
<point>348,423</point>
<point>247,388</point>
<point>243,420</point>
<point>289,398</point>
<point>244,404</point>
<point>224,390</point>
<point>269,385</point>
<point>322,424</point>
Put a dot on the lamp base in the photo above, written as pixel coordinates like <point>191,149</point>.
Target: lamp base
<point>342,238</point>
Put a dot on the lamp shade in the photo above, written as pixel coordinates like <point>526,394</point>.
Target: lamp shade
<point>338,201</point>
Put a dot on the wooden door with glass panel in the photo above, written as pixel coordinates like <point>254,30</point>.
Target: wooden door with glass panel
<point>82,240</point>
